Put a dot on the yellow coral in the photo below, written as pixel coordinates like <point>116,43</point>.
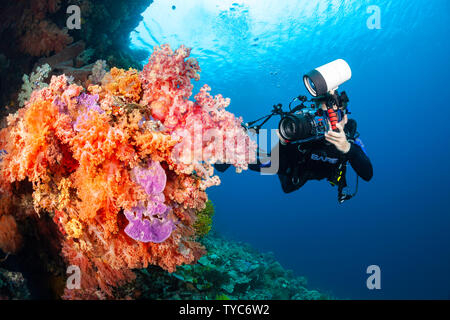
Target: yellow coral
<point>63,197</point>
<point>203,222</point>
<point>73,228</point>
<point>126,84</point>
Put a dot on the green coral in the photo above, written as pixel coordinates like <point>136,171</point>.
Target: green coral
<point>204,220</point>
<point>222,297</point>
<point>32,82</point>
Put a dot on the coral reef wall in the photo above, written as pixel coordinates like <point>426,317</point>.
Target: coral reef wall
<point>118,169</point>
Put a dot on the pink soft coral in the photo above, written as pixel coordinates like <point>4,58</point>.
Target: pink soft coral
<point>166,81</point>
<point>208,133</point>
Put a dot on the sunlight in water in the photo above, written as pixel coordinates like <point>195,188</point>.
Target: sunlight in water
<point>222,26</point>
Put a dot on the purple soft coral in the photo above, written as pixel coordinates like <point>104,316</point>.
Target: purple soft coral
<point>153,178</point>
<point>146,227</point>
<point>90,102</point>
<point>62,107</point>
<point>150,224</point>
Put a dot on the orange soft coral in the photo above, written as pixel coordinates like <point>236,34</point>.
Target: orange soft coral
<point>121,83</point>
<point>102,195</point>
<point>27,146</point>
<point>154,144</point>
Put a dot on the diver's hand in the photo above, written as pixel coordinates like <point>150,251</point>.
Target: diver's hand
<point>339,139</point>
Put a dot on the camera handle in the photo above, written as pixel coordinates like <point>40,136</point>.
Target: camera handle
<point>332,116</point>
<point>332,99</point>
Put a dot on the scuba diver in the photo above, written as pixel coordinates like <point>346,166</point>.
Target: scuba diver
<point>316,142</point>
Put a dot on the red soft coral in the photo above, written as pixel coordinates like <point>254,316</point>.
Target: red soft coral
<point>10,238</point>
<point>43,38</point>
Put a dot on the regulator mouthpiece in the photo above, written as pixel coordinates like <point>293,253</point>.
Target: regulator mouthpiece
<point>327,77</point>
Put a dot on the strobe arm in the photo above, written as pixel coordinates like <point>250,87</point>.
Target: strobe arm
<point>277,110</point>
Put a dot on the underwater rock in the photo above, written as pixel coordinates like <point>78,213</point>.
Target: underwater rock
<point>71,61</point>
<point>4,62</point>
<point>13,286</point>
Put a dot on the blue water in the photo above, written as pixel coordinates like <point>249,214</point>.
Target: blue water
<point>255,52</point>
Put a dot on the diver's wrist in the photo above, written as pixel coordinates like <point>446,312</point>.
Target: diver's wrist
<point>347,148</point>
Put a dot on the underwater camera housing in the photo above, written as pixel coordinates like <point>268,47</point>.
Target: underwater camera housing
<point>306,123</point>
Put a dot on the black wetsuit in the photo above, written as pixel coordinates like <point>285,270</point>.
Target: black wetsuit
<point>317,160</point>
